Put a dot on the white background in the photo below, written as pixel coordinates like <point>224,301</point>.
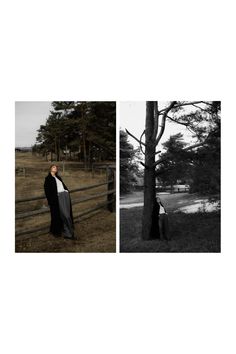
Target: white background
<point>117,303</point>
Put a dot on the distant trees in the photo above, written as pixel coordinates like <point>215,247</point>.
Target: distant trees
<point>129,168</point>
<point>84,130</point>
<point>200,167</point>
<point>205,171</point>
<point>176,162</point>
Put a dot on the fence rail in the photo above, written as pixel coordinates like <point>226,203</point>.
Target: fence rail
<point>28,214</point>
<point>21,200</point>
<point>65,166</point>
<point>80,217</point>
<point>109,203</point>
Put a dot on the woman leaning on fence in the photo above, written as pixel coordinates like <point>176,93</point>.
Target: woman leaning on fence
<point>59,201</point>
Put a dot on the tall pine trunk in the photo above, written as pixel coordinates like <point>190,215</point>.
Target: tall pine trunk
<point>58,149</point>
<point>85,152</point>
<point>149,174</point>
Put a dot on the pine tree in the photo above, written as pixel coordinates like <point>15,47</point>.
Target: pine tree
<point>85,128</point>
<point>128,165</point>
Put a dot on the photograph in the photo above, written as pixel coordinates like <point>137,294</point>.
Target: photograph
<point>65,176</point>
<point>170,176</point>
<point>117,210</point>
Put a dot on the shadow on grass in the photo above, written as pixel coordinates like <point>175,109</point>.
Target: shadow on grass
<point>198,232</point>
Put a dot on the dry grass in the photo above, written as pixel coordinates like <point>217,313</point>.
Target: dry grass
<point>95,235</point>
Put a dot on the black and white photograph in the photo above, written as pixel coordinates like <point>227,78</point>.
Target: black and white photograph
<point>65,164</point>
<point>170,176</point>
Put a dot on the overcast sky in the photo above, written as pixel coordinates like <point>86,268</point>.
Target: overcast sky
<point>132,117</point>
<point>29,116</point>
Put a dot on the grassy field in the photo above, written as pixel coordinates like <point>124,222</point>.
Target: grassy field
<point>96,234</point>
<point>197,232</point>
<point>189,232</point>
<point>172,202</point>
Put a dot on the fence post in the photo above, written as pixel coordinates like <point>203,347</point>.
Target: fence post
<point>110,186</point>
<point>107,173</point>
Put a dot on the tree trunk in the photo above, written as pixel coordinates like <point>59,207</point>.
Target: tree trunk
<point>85,152</point>
<point>89,155</point>
<point>57,154</point>
<point>58,150</point>
<point>55,146</point>
<point>149,174</point>
<point>66,153</point>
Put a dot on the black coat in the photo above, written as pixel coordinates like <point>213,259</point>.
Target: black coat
<point>50,188</point>
<point>155,232</point>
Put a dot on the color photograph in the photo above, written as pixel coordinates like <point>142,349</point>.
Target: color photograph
<point>65,176</point>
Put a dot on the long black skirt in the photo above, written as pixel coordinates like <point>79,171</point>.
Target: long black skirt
<point>65,213</point>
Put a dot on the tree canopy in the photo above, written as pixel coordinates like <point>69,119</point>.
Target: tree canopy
<point>175,165</point>
<point>86,129</point>
<point>198,167</point>
<point>128,165</point>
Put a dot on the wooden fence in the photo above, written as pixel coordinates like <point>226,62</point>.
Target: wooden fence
<point>109,204</point>
<point>65,166</point>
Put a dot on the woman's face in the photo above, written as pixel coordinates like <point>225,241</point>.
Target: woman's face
<point>54,169</point>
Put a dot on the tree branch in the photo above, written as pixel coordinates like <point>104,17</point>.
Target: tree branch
<point>185,149</point>
<point>141,148</point>
<point>176,121</point>
<point>205,102</point>
<point>134,137</point>
<point>184,104</point>
<point>186,124</point>
<point>190,130</point>
<point>203,109</point>
<point>164,122</point>
<point>145,166</point>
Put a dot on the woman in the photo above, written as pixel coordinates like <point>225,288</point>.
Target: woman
<point>160,224</point>
<point>59,201</point>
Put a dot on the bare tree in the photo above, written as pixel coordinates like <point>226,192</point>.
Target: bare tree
<point>154,129</point>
